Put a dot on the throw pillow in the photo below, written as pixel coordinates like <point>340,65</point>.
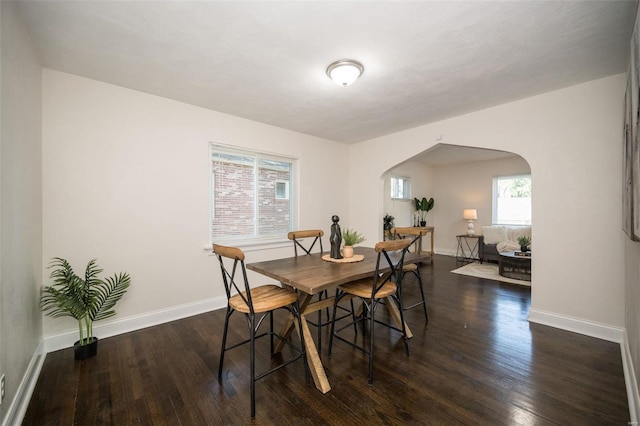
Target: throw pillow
<point>494,234</point>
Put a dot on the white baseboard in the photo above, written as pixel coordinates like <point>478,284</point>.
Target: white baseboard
<point>633,395</point>
<point>136,322</point>
<point>18,407</point>
<point>577,325</point>
<point>445,252</point>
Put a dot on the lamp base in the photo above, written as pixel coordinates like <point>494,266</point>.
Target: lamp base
<point>470,229</point>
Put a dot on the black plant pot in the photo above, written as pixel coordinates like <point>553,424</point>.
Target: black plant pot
<point>524,249</point>
<point>423,223</point>
<point>85,351</point>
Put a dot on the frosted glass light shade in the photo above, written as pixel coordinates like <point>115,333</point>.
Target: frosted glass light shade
<point>470,214</point>
<point>345,72</point>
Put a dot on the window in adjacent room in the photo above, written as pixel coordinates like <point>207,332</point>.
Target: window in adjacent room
<point>252,198</point>
<point>282,190</point>
<point>512,200</point>
<point>400,187</point>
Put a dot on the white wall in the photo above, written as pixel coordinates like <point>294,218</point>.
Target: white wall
<point>467,186</point>
<point>421,186</point>
<point>126,180</point>
<point>571,138</point>
<point>20,201</point>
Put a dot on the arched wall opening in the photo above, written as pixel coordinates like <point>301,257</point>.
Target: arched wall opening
<point>458,178</point>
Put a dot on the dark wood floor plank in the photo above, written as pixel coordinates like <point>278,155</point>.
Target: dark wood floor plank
<point>478,361</point>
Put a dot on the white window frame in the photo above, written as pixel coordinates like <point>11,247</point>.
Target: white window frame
<point>255,242</point>
<point>406,186</point>
<point>494,211</point>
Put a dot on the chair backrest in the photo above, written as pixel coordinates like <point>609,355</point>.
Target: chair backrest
<point>234,273</point>
<point>297,236</point>
<point>413,234</point>
<point>392,252</point>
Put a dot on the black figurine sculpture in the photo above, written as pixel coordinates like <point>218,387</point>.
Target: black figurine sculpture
<point>336,238</point>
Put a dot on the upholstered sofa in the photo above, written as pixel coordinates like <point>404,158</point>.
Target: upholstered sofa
<point>497,238</point>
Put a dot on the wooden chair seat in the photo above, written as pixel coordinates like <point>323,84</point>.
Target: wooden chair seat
<point>363,288</point>
<point>265,298</point>
<point>412,267</point>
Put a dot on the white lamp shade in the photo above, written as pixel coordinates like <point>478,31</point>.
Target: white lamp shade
<point>470,214</point>
<point>344,72</point>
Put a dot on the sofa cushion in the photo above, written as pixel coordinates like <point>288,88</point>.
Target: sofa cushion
<point>507,246</point>
<point>518,231</point>
<point>494,234</point>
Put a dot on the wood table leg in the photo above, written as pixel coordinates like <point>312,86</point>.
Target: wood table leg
<point>286,330</point>
<point>313,358</point>
<point>395,314</point>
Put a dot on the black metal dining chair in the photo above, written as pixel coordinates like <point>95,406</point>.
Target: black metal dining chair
<point>305,240</point>
<point>415,236</point>
<point>386,283</point>
<point>256,304</point>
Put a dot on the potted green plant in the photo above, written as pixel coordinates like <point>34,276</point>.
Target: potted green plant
<point>423,206</point>
<point>524,242</point>
<point>388,224</point>
<point>350,238</point>
<point>86,299</point>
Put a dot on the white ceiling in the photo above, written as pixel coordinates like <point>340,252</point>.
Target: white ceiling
<point>446,155</point>
<point>265,61</point>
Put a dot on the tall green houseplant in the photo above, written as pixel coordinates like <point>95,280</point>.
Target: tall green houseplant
<point>85,299</point>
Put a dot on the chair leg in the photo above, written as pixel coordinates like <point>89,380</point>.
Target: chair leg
<point>398,299</point>
<point>224,341</point>
<point>371,333</point>
<point>353,317</point>
<point>326,295</point>
<point>367,313</point>
<point>271,332</point>
<point>333,322</point>
<point>252,364</point>
<point>424,302</point>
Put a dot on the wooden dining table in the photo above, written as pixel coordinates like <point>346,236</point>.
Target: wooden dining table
<point>310,275</point>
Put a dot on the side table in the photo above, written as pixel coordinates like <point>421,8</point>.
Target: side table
<point>468,246</point>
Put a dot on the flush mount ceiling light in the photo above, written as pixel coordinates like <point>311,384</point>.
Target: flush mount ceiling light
<point>345,71</point>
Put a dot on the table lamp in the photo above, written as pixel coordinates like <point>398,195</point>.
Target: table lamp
<point>470,215</point>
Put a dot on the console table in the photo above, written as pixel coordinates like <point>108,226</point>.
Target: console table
<point>425,230</point>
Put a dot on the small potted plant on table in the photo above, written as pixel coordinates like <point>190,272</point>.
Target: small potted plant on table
<point>350,238</point>
<point>87,300</point>
<point>524,242</point>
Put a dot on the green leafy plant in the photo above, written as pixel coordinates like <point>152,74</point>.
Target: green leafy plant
<point>351,238</point>
<point>87,300</point>
<point>423,206</point>
<point>388,221</point>
<point>524,241</point>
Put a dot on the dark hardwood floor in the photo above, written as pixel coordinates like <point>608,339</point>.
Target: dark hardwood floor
<point>478,361</point>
